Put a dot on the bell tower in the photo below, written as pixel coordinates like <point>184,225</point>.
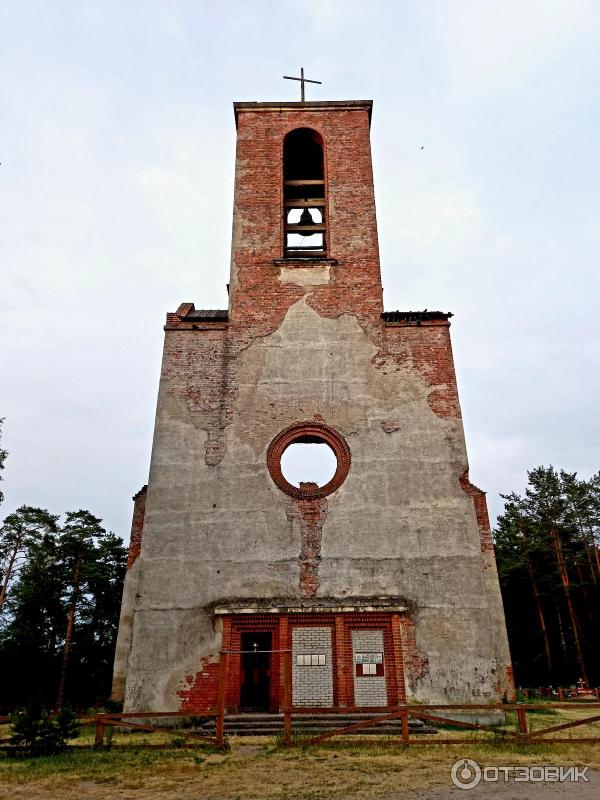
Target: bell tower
<point>304,210</point>
<point>381,578</point>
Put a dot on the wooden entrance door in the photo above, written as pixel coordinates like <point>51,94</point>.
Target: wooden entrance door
<point>255,678</point>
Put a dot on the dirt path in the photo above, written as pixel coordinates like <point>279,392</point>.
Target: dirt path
<point>516,791</point>
<point>257,770</point>
<point>194,790</point>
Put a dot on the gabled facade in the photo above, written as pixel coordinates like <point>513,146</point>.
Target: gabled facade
<point>382,581</point>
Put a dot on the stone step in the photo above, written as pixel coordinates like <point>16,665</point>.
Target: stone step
<point>272,724</point>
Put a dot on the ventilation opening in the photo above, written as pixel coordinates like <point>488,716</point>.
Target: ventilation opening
<point>308,462</point>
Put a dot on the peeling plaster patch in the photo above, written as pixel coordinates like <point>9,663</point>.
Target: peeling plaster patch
<point>309,515</point>
<point>304,276</point>
<point>390,425</point>
<point>481,511</point>
<point>201,687</point>
<point>215,448</point>
<point>443,402</point>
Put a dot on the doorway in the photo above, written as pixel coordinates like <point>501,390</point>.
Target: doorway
<point>255,680</point>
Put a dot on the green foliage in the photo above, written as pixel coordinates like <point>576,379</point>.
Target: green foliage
<point>547,554</point>
<point>19,533</point>
<point>33,625</point>
<point>36,731</point>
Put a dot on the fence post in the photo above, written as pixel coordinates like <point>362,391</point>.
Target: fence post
<point>405,728</point>
<point>561,693</point>
<point>287,698</point>
<point>99,740</point>
<point>220,722</point>
<point>522,718</point>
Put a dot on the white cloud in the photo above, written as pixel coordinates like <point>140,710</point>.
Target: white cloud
<point>117,177</point>
<point>492,46</point>
<point>437,222</point>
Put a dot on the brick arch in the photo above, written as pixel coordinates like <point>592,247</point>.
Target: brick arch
<point>316,432</point>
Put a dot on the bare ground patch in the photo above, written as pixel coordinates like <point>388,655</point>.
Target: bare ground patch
<point>258,769</point>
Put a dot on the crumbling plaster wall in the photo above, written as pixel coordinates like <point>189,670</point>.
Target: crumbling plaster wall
<point>306,342</point>
<point>401,524</point>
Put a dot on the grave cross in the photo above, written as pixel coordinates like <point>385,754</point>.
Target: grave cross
<point>302,80</point>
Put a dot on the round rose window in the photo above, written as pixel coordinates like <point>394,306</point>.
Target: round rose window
<point>308,472</point>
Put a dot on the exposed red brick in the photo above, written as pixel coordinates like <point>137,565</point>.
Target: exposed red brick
<point>416,665</point>
<point>202,360</point>
<point>201,693</point>
<point>397,656</point>
<point>481,511</point>
<point>246,624</point>
<point>310,514</point>
<point>203,687</point>
<point>300,430</point>
<point>390,425</point>
<point>201,357</point>
<point>137,526</point>
<point>258,300</point>
<point>511,692</point>
<point>426,349</point>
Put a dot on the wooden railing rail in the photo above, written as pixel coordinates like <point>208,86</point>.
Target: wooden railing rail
<point>523,732</point>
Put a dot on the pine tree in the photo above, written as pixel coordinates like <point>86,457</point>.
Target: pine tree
<point>78,538</point>
<point>546,545</point>
<point>19,531</point>
<point>65,599</point>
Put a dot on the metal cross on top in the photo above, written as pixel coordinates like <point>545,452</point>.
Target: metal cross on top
<point>302,80</point>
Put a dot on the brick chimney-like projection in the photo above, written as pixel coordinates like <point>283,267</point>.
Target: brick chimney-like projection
<point>380,577</point>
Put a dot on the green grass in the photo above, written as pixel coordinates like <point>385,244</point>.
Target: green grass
<point>260,768</point>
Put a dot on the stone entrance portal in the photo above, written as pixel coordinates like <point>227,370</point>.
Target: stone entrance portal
<point>339,658</point>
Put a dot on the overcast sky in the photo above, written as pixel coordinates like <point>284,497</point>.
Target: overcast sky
<point>117,148</point>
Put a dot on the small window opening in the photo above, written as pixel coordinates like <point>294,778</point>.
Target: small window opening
<point>308,462</point>
<point>304,195</point>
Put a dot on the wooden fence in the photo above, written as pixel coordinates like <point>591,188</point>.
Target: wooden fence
<point>441,715</point>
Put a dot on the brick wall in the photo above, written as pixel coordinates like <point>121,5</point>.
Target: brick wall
<point>416,664</point>
<point>368,690</point>
<point>137,526</point>
<point>258,300</point>
<point>337,636</point>
<point>481,511</point>
<point>307,342</point>
<point>312,685</point>
<point>203,686</point>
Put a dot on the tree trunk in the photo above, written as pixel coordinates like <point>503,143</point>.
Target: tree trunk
<point>540,613</point>
<point>564,577</point>
<point>589,543</point>
<point>595,552</point>
<point>584,592</point>
<point>60,694</point>
<point>9,571</point>
<point>538,603</point>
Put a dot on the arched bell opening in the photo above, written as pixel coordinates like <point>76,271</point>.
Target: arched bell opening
<point>304,194</point>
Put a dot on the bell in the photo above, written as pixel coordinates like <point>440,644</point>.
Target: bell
<point>306,218</point>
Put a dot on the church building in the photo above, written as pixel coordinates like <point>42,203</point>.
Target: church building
<point>380,578</point>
